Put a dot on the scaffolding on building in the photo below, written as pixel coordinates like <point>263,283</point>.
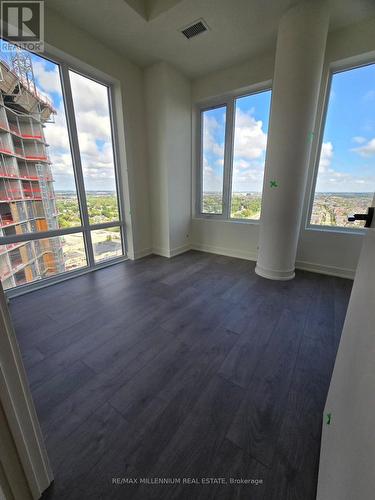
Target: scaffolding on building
<point>27,197</point>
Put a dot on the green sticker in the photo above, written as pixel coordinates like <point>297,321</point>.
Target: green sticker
<point>329,416</point>
<point>311,136</point>
<point>273,184</point>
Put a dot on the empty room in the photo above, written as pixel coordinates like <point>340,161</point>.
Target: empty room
<point>187,244</point>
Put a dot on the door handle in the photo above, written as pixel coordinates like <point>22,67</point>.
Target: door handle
<point>366,217</point>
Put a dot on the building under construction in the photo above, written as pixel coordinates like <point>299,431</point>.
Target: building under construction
<point>27,197</point>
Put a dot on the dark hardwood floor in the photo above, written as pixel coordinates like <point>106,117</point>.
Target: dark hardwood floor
<point>192,367</point>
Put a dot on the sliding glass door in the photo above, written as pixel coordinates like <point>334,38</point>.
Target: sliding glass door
<point>60,209</point>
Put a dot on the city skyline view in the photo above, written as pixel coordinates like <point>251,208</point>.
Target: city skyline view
<point>38,186</point>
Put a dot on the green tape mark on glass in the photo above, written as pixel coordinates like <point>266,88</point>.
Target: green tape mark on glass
<point>329,416</point>
<point>273,184</point>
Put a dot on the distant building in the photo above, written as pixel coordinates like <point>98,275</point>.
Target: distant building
<point>27,197</point>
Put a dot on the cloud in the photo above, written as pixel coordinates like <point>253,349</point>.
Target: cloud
<point>247,175</point>
<point>368,149</point>
<point>250,140</point>
<point>250,143</point>
<point>239,163</point>
<point>326,155</point>
<point>56,132</point>
<point>48,78</point>
<point>88,95</point>
<point>212,181</point>
<point>93,125</point>
<point>358,139</point>
<point>331,180</point>
<point>211,129</point>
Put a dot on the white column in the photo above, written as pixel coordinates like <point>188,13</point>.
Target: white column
<point>299,61</point>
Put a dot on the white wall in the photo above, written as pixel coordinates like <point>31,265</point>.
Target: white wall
<point>168,112</point>
<point>62,35</point>
<point>347,457</point>
<point>329,252</point>
<point>156,98</point>
<point>234,78</point>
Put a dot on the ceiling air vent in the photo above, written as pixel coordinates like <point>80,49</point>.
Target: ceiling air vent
<point>195,29</point>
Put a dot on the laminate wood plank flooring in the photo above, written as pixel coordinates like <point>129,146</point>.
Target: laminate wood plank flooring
<point>191,367</point>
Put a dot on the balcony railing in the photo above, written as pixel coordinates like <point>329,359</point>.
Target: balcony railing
<point>12,128</point>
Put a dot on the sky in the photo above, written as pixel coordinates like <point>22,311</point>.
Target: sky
<point>93,124</point>
<point>347,159</point>
<point>250,141</point>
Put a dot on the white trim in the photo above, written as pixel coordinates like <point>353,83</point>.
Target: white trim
<point>18,406</point>
<point>139,254</point>
<point>13,481</point>
<point>357,231</point>
<point>163,252</point>
<point>179,250</point>
<point>167,252</point>
<point>271,274</point>
<point>18,436</point>
<point>207,217</point>
<point>313,267</point>
<point>300,264</point>
<point>228,252</point>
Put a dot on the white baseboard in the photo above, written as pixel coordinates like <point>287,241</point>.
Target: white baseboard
<point>179,250</point>
<point>163,252</point>
<point>228,252</point>
<point>303,265</point>
<point>142,253</point>
<point>240,254</point>
<point>166,252</point>
<point>323,269</point>
<point>271,274</point>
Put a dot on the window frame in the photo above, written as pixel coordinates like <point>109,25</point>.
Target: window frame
<point>200,176</point>
<point>65,64</point>
<point>335,67</point>
<point>229,102</point>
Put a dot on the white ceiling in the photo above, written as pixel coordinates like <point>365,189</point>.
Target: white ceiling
<point>239,29</point>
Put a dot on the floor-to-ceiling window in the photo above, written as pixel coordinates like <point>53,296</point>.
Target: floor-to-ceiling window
<point>60,209</point>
